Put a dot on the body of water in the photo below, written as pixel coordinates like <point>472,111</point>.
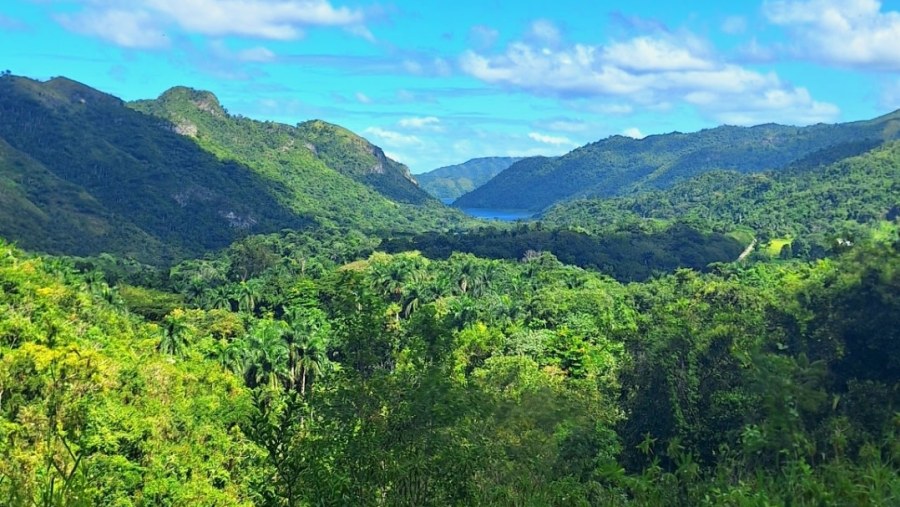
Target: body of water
<point>506,215</point>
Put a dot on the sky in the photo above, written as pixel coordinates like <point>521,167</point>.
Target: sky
<point>438,83</point>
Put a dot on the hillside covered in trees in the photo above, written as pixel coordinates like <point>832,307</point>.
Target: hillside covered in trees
<point>620,165</point>
<point>85,173</point>
<point>810,205</point>
<point>453,181</point>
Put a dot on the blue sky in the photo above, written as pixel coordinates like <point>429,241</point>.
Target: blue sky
<point>438,83</point>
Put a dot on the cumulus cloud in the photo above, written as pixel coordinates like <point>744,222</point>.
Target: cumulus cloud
<point>130,29</point>
<point>144,23</point>
<point>552,140</point>
<point>420,122</point>
<point>482,36</point>
<point>545,32</point>
<point>734,25</point>
<point>851,33</point>
<point>633,132</point>
<point>565,125</point>
<point>392,138</point>
<point>257,54</point>
<point>648,72</point>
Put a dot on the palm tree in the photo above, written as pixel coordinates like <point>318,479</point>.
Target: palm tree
<point>175,335</point>
<point>247,296</point>
<point>306,340</point>
<point>266,357</point>
<point>311,359</point>
<point>218,298</point>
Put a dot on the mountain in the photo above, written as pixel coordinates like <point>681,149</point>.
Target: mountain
<point>82,172</point>
<point>356,157</point>
<point>198,114</point>
<point>452,181</point>
<point>619,165</point>
<point>92,175</point>
<point>818,203</point>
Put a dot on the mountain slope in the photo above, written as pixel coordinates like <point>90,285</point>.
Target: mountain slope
<point>74,148</point>
<point>359,159</point>
<point>452,181</point>
<point>82,173</point>
<point>618,165</point>
<point>318,146</point>
<point>800,201</point>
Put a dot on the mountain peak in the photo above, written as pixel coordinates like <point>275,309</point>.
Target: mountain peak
<point>189,97</point>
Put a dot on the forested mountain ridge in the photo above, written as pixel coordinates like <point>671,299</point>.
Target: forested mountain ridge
<point>198,114</point>
<point>452,181</point>
<point>619,165</point>
<point>805,204</point>
<point>88,174</point>
<point>118,171</point>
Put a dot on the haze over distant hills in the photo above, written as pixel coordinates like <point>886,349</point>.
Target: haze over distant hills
<point>82,172</point>
<point>452,181</point>
<point>620,165</point>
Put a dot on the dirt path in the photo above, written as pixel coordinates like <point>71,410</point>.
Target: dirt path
<point>747,251</point>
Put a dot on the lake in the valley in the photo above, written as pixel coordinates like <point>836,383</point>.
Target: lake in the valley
<point>506,215</point>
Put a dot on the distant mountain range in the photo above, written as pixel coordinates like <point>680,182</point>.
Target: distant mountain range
<point>452,181</point>
<point>82,172</point>
<point>621,165</point>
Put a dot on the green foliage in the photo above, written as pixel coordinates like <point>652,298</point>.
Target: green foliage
<point>820,206</point>
<point>626,255</point>
<point>620,165</point>
<point>453,181</point>
<point>91,414</point>
<point>82,173</point>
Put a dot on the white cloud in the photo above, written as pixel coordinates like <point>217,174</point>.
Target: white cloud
<point>391,138</point>
<point>648,72</point>
<point>256,54</point>
<point>651,54</point>
<point>734,25</point>
<point>482,36</point>
<point>130,29</point>
<point>362,98</point>
<point>144,23</point>
<point>427,67</point>
<point>571,126</point>
<point>552,140</point>
<point>633,132</point>
<point>418,122</point>
<point>850,33</point>
<point>615,109</point>
<point>545,32</point>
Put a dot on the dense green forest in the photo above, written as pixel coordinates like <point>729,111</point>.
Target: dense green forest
<point>270,376</point>
<point>626,255</point>
<point>450,182</point>
<point>619,165</point>
<point>343,339</point>
<point>809,207</point>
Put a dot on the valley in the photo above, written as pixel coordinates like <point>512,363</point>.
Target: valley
<point>201,308</point>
